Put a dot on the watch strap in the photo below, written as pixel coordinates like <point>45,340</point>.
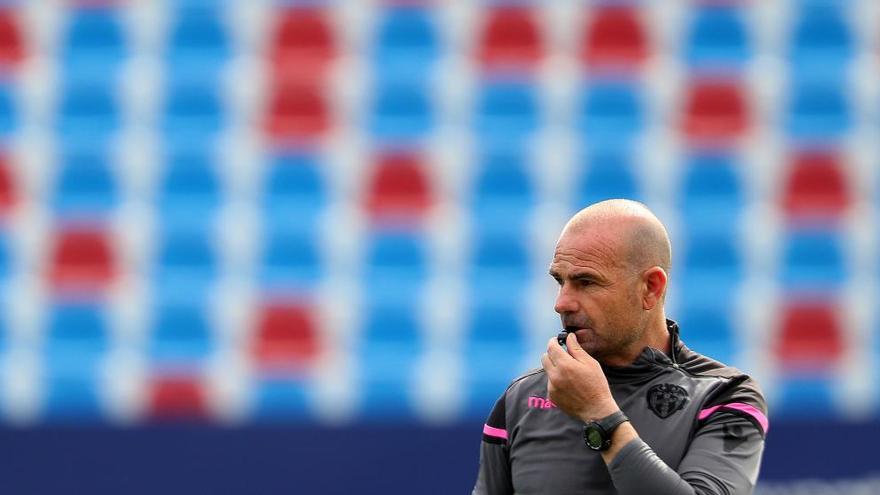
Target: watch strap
<point>612,421</point>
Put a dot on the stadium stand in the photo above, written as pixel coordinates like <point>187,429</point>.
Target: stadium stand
<point>332,146</point>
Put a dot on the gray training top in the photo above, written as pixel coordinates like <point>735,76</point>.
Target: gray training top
<point>701,426</point>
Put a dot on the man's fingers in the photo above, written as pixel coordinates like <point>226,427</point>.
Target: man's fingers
<point>545,362</point>
<point>556,352</point>
<point>579,354</point>
<point>575,349</point>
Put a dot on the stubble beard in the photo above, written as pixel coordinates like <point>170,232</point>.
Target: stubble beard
<point>612,343</point>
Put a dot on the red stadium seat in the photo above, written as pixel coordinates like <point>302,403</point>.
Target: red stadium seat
<point>285,337</point>
<point>810,336</point>
<point>11,44</point>
<point>303,44</point>
<point>614,38</point>
<point>8,189</point>
<point>399,189</point>
<point>176,398</point>
<point>297,112</point>
<point>816,187</point>
<point>715,110</point>
<point>82,260</point>
<point>510,39</point>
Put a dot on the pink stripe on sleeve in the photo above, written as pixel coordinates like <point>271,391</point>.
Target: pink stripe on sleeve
<point>494,432</point>
<point>739,406</point>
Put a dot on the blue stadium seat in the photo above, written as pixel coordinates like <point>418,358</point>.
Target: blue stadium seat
<point>495,325</point>
<point>290,260</point>
<point>193,112</point>
<point>813,260</point>
<point>391,345</point>
<point>280,399</point>
<point>712,195</point>
<point>7,265</point>
<point>198,44</point>
<point>180,334</point>
<point>401,112</point>
<point>86,185</point>
<point>385,384</point>
<point>609,173</point>
<point>391,326</point>
<point>94,44</point>
<point>76,340</point>
<point>9,119</point>
<point>76,332</point>
<point>805,397</point>
<point>294,192</point>
<point>406,43</point>
<point>495,342</point>
<point>507,112</point>
<point>504,193</point>
<point>818,112</point>
<point>717,38</point>
<point>186,262</point>
<point>6,339</point>
<point>396,263</point>
<point>89,113</point>
<point>208,7</point>
<point>72,396</point>
<point>822,43</point>
<point>712,268</point>
<point>189,191</point>
<point>611,112</point>
<point>708,329</point>
<point>500,265</point>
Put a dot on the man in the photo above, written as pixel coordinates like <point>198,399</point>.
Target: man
<point>625,407</point>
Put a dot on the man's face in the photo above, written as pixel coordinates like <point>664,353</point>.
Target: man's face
<point>599,291</point>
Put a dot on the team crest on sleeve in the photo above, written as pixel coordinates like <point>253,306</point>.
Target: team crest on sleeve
<point>664,399</point>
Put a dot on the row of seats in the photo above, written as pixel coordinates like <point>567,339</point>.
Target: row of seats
<point>285,334</point>
<point>177,331</point>
<point>78,397</point>
<point>615,36</point>
<point>86,259</point>
<point>611,34</point>
<point>712,111</point>
<point>713,108</point>
<point>809,339</point>
<point>79,341</point>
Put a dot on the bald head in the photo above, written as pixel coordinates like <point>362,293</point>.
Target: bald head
<point>636,233</point>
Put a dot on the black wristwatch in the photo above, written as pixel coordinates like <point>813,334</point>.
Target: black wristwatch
<point>597,434</point>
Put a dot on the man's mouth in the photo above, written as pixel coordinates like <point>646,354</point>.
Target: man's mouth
<point>581,332</point>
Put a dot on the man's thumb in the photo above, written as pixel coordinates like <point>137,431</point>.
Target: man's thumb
<point>574,347</point>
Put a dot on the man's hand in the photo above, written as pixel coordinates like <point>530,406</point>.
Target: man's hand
<point>575,381</point>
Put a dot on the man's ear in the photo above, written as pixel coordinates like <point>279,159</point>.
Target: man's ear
<point>655,280</point>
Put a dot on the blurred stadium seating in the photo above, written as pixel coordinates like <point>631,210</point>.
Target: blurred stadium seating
<point>282,185</point>
<point>272,115</point>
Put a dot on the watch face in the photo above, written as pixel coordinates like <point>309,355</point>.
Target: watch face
<point>594,437</point>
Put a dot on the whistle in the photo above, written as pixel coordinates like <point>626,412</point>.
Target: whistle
<point>561,337</point>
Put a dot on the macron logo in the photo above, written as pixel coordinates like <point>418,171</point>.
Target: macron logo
<point>540,403</point>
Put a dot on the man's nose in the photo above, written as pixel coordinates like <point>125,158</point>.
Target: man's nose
<point>565,303</point>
